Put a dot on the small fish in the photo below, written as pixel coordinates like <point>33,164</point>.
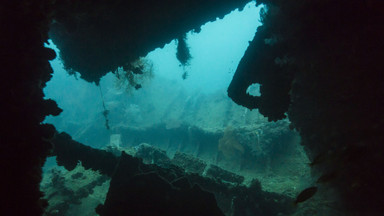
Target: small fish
<point>305,194</point>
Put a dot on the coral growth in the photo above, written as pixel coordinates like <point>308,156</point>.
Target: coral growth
<point>147,189</point>
<point>183,54</point>
<point>133,75</point>
<point>96,37</point>
<point>321,62</point>
<point>70,191</point>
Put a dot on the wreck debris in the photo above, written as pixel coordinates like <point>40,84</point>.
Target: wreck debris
<point>140,186</point>
<point>189,163</point>
<point>320,62</point>
<point>223,175</point>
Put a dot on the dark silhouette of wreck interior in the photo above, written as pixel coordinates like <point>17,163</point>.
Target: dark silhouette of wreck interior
<point>319,63</point>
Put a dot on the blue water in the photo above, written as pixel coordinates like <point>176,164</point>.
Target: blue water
<point>216,52</point>
<point>193,115</point>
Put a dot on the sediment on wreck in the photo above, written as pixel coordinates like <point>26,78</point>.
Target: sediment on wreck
<point>168,188</point>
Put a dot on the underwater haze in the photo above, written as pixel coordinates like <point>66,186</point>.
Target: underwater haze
<point>216,52</point>
<point>169,112</point>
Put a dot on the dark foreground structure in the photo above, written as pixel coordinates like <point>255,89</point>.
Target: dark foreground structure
<point>165,188</point>
<point>320,62</point>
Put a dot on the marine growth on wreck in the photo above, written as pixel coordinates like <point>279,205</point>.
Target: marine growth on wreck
<point>221,107</point>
